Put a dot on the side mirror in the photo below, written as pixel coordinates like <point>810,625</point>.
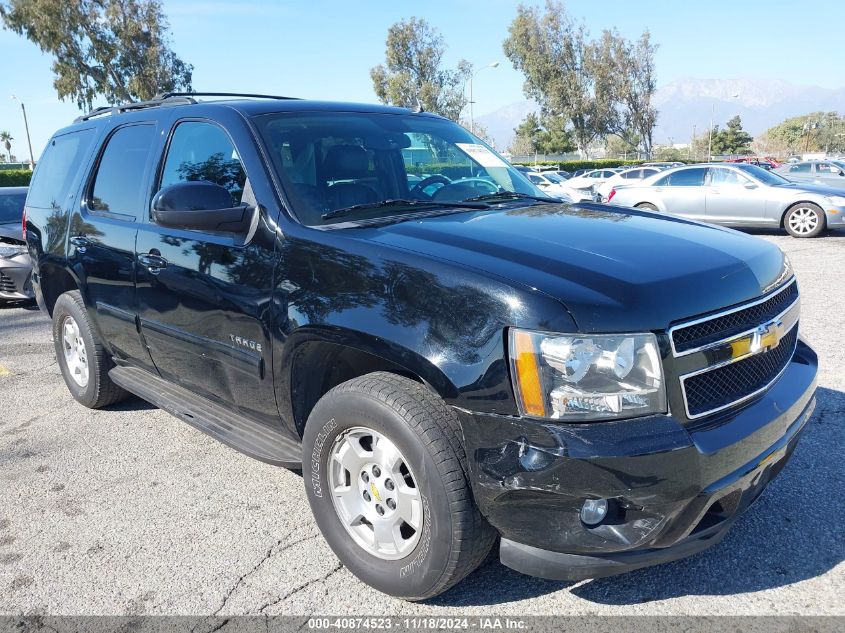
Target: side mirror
<point>202,206</point>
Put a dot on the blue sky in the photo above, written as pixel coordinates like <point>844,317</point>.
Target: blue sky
<point>324,49</point>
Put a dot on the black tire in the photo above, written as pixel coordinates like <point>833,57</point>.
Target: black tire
<point>809,231</point>
<point>647,206</point>
<point>455,538</point>
<point>99,391</point>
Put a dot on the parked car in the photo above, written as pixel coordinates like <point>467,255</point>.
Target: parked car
<point>566,175</point>
<point>582,187</point>
<point>766,163</point>
<point>626,177</point>
<point>449,371</point>
<point>821,172</point>
<point>737,194</point>
<point>663,164</point>
<point>549,182</point>
<point>15,267</point>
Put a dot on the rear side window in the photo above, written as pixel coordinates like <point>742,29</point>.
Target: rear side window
<point>57,169</point>
<point>11,207</point>
<point>119,183</point>
<point>203,151</point>
<point>800,168</point>
<point>686,178</point>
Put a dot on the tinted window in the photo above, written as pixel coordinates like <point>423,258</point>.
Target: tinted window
<point>119,182</point>
<point>11,207</point>
<point>800,168</point>
<point>687,177</point>
<point>535,179</point>
<point>726,177</point>
<point>634,174</point>
<point>57,168</point>
<point>203,151</point>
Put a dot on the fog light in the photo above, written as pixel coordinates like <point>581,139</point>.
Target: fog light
<point>593,511</point>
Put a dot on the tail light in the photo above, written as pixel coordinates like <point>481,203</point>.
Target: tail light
<point>611,194</point>
<point>23,224</point>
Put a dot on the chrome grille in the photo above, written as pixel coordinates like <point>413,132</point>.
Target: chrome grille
<point>700,333</point>
<point>738,353</point>
<point>720,388</point>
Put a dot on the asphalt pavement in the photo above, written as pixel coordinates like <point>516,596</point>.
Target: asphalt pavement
<point>129,511</point>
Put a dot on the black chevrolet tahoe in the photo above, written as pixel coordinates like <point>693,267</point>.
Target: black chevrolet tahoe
<point>452,358</point>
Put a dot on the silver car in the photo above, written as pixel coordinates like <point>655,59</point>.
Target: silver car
<point>15,268</point>
<point>819,172</point>
<point>737,194</point>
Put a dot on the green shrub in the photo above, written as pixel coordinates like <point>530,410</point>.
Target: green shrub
<point>572,165</point>
<point>15,177</point>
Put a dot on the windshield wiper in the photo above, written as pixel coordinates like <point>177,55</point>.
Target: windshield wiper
<point>514,195</point>
<point>400,202</point>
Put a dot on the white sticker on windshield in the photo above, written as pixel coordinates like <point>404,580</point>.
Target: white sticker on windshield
<point>481,155</point>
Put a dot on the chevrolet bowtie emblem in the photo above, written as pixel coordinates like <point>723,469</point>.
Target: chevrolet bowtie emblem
<point>374,490</point>
<point>766,337</point>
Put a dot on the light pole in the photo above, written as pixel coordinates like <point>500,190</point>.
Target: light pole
<point>471,77</point>
<point>710,135</point>
<point>26,127</point>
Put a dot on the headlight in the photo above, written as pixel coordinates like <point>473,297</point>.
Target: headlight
<point>11,251</point>
<point>581,378</point>
<point>839,201</point>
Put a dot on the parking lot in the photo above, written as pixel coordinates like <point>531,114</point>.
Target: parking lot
<point>130,511</point>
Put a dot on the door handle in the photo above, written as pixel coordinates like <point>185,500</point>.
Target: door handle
<point>153,263</point>
<point>80,242</point>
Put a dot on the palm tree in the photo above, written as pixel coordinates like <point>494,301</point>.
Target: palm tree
<point>7,139</point>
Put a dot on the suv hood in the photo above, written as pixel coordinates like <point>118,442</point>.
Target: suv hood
<point>614,269</point>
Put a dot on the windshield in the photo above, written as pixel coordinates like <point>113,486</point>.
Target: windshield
<point>555,178</point>
<point>764,176</point>
<point>358,166</point>
<point>11,207</point>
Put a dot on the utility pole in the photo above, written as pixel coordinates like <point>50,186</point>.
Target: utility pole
<point>710,139</point>
<point>26,127</point>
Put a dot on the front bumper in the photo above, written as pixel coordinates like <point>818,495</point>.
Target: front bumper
<point>674,489</point>
<point>835,217</point>
<point>15,279</point>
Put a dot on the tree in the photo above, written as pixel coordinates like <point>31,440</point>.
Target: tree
<point>117,49</point>
<point>733,139</point>
<point>635,73</point>
<point>413,75</point>
<point>600,87</point>
<point>541,134</point>
<point>816,131</point>
<point>7,139</point>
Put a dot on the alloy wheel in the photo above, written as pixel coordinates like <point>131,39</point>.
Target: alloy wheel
<point>803,220</point>
<point>375,494</point>
<point>76,355</point>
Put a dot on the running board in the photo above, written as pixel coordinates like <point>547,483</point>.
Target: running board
<point>223,424</point>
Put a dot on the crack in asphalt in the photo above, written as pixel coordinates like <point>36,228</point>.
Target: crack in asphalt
<point>272,551</point>
<point>301,587</point>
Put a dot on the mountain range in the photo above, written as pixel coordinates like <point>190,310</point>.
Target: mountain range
<point>686,103</point>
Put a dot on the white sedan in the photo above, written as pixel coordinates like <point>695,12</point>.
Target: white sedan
<point>552,184</point>
<point>582,187</point>
<point>627,177</point>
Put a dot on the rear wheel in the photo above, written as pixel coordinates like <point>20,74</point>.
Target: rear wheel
<point>385,476</point>
<point>81,356</point>
<point>647,206</point>
<point>805,219</point>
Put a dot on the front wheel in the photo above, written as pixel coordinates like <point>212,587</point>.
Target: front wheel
<point>385,475</point>
<point>804,220</point>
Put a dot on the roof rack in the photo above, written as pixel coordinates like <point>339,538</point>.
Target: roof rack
<point>168,98</point>
<point>136,105</point>
<point>245,95</point>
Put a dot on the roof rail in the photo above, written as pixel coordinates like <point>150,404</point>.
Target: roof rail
<point>169,98</point>
<point>136,105</point>
<point>223,94</point>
